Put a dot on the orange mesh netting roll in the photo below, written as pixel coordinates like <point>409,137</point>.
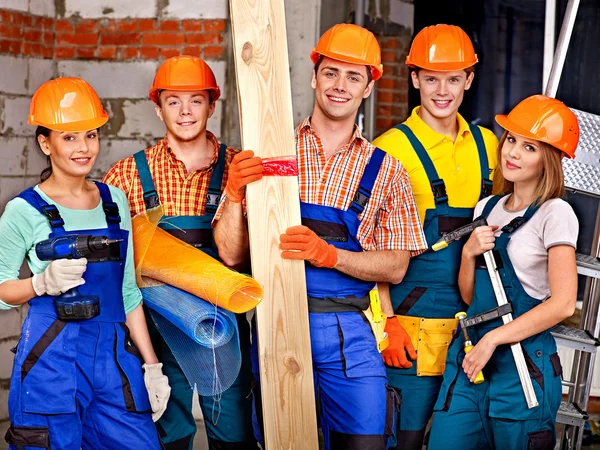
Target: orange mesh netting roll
<point>165,258</point>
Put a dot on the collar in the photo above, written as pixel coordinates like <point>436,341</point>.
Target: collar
<point>305,126</point>
<point>427,136</point>
<point>178,163</point>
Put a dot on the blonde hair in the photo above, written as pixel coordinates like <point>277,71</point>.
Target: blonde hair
<point>551,182</point>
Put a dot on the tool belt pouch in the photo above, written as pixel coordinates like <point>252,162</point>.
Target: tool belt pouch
<point>77,310</point>
<point>431,339</point>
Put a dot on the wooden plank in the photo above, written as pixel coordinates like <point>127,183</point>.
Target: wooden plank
<point>264,95</point>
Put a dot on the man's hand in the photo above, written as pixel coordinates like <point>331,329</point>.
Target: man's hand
<point>302,243</point>
<point>244,169</point>
<point>400,345</point>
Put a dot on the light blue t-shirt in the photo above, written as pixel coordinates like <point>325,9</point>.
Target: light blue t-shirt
<point>22,226</point>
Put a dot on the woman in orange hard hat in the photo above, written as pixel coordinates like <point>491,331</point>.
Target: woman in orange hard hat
<point>532,232</point>
<point>449,162</point>
<point>77,378</point>
<point>359,226</point>
<point>185,173</point>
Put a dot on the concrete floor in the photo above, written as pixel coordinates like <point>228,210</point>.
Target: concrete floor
<point>199,442</point>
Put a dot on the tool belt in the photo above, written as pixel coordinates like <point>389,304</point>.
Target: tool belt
<point>338,305</point>
<point>431,339</point>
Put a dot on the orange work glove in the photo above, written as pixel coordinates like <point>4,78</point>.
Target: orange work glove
<point>301,242</point>
<point>395,354</point>
<point>243,170</point>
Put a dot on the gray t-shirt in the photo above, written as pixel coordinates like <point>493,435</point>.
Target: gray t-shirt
<point>553,224</point>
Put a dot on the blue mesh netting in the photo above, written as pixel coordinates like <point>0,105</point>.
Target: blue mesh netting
<point>203,338</point>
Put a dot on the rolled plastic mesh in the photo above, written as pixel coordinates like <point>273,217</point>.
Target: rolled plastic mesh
<point>203,338</point>
<point>160,256</point>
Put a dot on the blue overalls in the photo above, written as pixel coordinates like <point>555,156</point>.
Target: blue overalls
<point>429,290</point>
<point>79,384</point>
<point>177,426</point>
<point>349,375</point>
<point>494,414</point>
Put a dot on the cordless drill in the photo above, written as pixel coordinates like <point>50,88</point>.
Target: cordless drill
<point>72,305</point>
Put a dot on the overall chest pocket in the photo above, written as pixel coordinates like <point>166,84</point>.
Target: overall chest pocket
<point>46,367</point>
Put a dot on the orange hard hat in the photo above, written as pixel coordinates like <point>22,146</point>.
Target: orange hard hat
<point>352,44</point>
<point>67,104</point>
<point>544,119</point>
<point>441,47</point>
<point>184,73</point>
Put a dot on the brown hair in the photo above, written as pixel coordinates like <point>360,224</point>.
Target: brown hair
<point>43,131</point>
<point>551,180</point>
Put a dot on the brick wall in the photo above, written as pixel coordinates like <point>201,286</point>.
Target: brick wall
<point>392,88</point>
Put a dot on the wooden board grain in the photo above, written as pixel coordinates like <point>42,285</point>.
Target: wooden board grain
<point>264,95</point>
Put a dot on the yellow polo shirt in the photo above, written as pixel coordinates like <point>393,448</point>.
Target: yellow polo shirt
<point>457,163</point>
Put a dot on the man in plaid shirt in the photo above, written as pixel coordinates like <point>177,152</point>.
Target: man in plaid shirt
<point>185,174</point>
<point>360,225</point>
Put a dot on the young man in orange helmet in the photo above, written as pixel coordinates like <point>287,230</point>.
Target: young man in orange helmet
<point>186,172</point>
<point>359,226</point>
<point>449,163</point>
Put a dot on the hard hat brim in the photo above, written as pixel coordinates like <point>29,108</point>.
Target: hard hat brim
<point>75,127</point>
<point>376,72</point>
<point>441,67</point>
<point>155,91</point>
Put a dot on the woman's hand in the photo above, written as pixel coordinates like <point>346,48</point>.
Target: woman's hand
<point>479,356</point>
<point>481,240</point>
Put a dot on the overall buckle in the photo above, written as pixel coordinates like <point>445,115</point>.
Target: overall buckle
<point>51,212</point>
<point>438,187</point>
<point>111,210</point>
<point>514,224</point>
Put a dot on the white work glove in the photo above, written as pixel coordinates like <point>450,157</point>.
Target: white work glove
<point>60,276</point>
<point>158,388</point>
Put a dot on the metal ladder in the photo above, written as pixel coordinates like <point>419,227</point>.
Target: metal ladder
<point>582,175</point>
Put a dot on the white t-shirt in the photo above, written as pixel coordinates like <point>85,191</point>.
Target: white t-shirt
<point>554,223</point>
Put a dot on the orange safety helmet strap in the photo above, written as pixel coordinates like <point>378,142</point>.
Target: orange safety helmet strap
<point>441,48</point>
<point>352,44</point>
<point>184,73</point>
<point>544,119</point>
<point>67,104</point>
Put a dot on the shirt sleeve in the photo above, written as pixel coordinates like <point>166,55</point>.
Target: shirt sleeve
<point>132,296</point>
<point>398,226</point>
<point>16,234</point>
<point>560,225</point>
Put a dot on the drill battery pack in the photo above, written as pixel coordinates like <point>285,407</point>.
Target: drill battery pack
<point>83,309</point>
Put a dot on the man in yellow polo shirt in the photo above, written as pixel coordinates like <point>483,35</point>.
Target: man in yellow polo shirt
<point>450,166</point>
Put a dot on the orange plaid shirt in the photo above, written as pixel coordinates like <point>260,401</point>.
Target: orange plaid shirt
<point>390,221</point>
<point>181,193</point>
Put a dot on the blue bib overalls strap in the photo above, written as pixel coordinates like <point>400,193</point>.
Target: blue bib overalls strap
<point>356,409</point>
<point>340,228</point>
<point>195,230</point>
<point>503,418</point>
<point>80,384</point>
<point>429,291</point>
<point>177,426</point>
